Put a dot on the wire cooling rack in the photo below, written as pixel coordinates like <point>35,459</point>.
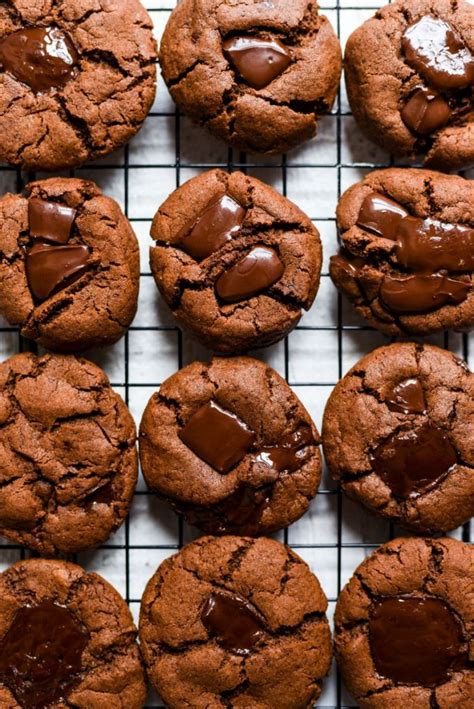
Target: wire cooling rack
<point>336,534</point>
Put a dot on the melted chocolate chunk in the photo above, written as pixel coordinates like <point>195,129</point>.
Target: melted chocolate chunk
<point>380,215</point>
<point>425,112</point>
<point>103,495</point>
<point>220,222</point>
<point>258,61</point>
<point>220,438</point>
<point>256,272</point>
<point>430,245</point>
<point>421,294</point>
<point>40,655</point>
<point>233,621</point>
<point>41,57</point>
<point>52,268</point>
<point>350,265</point>
<point>289,455</point>
<point>407,397</point>
<point>436,51</point>
<point>412,462</point>
<point>415,640</point>
<point>50,221</point>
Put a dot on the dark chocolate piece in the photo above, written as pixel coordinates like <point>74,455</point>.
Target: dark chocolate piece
<point>414,461</point>
<point>256,272</point>
<point>415,640</point>
<point>425,112</point>
<point>51,268</point>
<point>258,61</point>
<point>50,221</point>
<point>436,51</point>
<point>220,222</point>
<point>381,215</point>
<point>233,621</point>
<point>41,57</point>
<point>407,397</point>
<point>431,245</point>
<point>422,293</point>
<point>289,454</point>
<point>40,655</point>
<point>217,436</point>
<point>103,495</point>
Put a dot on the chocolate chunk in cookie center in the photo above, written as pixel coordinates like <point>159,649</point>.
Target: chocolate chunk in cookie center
<point>422,293</point>
<point>258,61</point>
<point>407,397</point>
<point>414,461</point>
<point>256,272</point>
<point>436,50</point>
<point>233,621</point>
<point>217,436</point>
<point>415,640</point>
<point>291,454</point>
<point>50,221</point>
<point>41,57</point>
<point>218,224</point>
<point>41,655</point>
<point>426,111</point>
<point>381,215</point>
<point>49,268</point>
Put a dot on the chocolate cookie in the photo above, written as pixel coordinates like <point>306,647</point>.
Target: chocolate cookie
<point>234,260</point>
<point>235,622</point>
<point>408,251</point>
<point>412,461</point>
<point>257,74</point>
<point>76,79</point>
<point>69,265</point>
<point>404,625</point>
<point>229,446</point>
<point>67,639</point>
<point>410,80</point>
<point>68,462</point>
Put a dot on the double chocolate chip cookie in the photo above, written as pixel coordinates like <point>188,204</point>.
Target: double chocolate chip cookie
<point>66,639</point>
<point>229,446</point>
<point>68,462</point>
<point>404,626</point>
<point>69,265</point>
<point>234,260</point>
<point>412,461</point>
<point>410,80</point>
<point>258,74</point>
<point>407,260</point>
<point>76,79</point>
<point>235,622</point>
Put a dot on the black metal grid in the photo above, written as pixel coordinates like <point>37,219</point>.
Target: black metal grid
<point>235,161</point>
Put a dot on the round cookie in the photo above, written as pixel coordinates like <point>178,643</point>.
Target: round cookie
<point>235,261</point>
<point>412,461</point>
<point>407,258</point>
<point>76,79</point>
<point>404,626</point>
<point>410,78</point>
<point>67,639</point>
<point>68,462</point>
<point>230,447</point>
<point>256,74</point>
<point>69,265</point>
<point>230,621</point>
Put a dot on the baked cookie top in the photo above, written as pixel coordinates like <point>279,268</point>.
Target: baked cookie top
<point>257,74</point>
<point>404,626</point>
<point>69,265</point>
<point>77,79</point>
<point>230,620</point>
<point>235,261</point>
<point>412,460</point>
<point>68,462</point>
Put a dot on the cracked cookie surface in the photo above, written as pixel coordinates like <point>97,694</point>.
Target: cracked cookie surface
<point>106,98</point>
<point>97,308</point>
<point>381,80</point>
<point>207,85</point>
<point>270,475</point>
<point>434,572</point>
<point>90,653</point>
<point>189,664</point>
<point>68,461</point>
<point>412,461</point>
<point>372,256</point>
<point>221,319</point>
